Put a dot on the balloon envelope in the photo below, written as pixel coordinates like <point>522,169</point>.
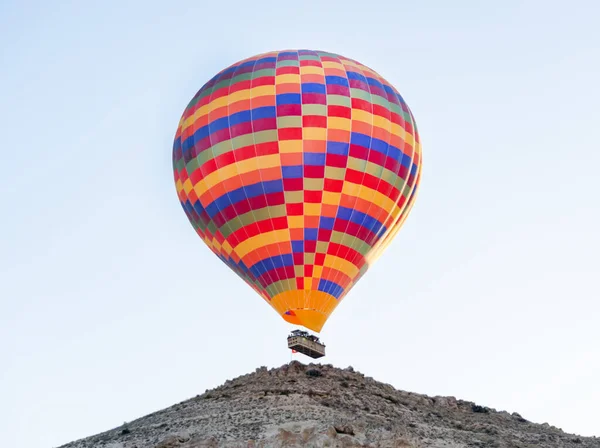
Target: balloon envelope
<point>297,169</point>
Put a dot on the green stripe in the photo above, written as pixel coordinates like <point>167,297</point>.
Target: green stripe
<point>399,184</point>
<point>314,184</point>
<point>332,172</point>
<point>251,217</point>
<point>204,156</point>
<point>309,57</point>
<point>180,164</point>
<point>241,77</point>
<point>294,197</point>
<point>350,241</point>
<point>192,165</point>
<point>292,121</point>
<point>339,100</point>
<point>396,109</point>
<point>221,148</point>
<point>357,164</point>
<point>376,99</point>
<point>314,109</point>
<point>373,169</point>
<point>206,92</point>
<point>361,94</point>
<point>283,285</point>
<point>242,141</point>
<point>266,136</point>
<point>389,176</point>
<point>329,55</point>
<point>221,84</point>
<point>198,224</point>
<point>322,246</point>
<point>288,63</point>
<point>231,226</point>
<point>262,73</point>
<point>212,227</point>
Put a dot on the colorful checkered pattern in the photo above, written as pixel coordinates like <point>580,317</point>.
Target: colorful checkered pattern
<point>297,168</point>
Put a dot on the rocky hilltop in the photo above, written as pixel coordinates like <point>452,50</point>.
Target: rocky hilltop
<point>315,405</point>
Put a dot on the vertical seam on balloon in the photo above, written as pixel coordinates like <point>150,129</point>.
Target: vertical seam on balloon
<point>334,262</point>
<point>287,303</point>
<point>305,289</point>
<point>398,225</point>
<point>211,148</point>
<point>389,190</point>
<point>357,196</point>
<point>414,191</point>
<point>270,274</point>
<point>329,286</point>
<point>320,308</point>
<point>356,239</point>
<point>235,165</point>
<point>246,277</point>
<point>373,195</point>
<point>397,222</point>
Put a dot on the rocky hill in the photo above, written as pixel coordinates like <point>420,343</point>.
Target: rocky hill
<point>312,405</point>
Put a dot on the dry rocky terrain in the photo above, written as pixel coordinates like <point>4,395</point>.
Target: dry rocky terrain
<point>314,405</point>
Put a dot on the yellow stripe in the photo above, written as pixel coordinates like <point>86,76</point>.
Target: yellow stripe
<point>350,188</point>
<point>208,241</point>
<point>290,146</point>
<point>187,186</point>
<point>314,133</point>
<point>344,124</point>
<point>369,194</point>
<point>289,78</point>
<point>217,103</point>
<point>260,240</point>
<point>178,185</point>
<point>340,264</point>
<point>307,283</point>
<point>349,63</point>
<point>311,70</point>
<point>296,222</point>
<point>381,122</point>
<point>317,271</point>
<point>362,115</point>
<point>331,198</point>
<point>192,118</point>
<point>240,95</point>
<point>229,171</point>
<point>311,209</point>
<point>227,247</point>
<point>377,120</point>
<point>398,130</point>
<point>330,64</point>
<point>262,91</point>
<point>229,99</point>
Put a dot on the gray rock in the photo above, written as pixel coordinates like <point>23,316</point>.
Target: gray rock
<point>293,406</point>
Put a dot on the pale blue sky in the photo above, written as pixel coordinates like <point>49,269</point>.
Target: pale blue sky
<point>111,307</point>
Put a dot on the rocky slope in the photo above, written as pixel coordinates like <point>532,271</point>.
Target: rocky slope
<point>319,405</point>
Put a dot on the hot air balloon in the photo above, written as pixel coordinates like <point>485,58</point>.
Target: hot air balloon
<point>297,169</point>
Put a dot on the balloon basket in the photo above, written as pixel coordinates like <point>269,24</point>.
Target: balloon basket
<point>302,342</point>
